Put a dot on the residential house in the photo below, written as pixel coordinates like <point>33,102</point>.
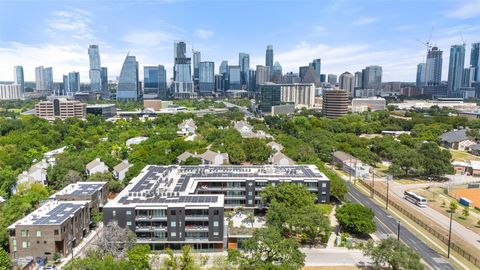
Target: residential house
<point>184,156</point>
<point>135,140</point>
<point>280,158</point>
<point>36,174</point>
<point>246,131</point>
<point>457,139</point>
<point>96,166</point>
<point>209,157</point>
<point>120,170</point>
<point>50,156</point>
<point>474,149</point>
<point>471,167</point>
<point>187,127</point>
<point>276,147</point>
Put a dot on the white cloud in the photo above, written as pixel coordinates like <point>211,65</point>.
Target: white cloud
<point>203,33</point>
<point>465,9</point>
<point>150,39</point>
<point>365,20</point>
<point>74,23</point>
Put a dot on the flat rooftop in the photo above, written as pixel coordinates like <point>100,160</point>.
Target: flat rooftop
<point>81,188</point>
<point>176,184</point>
<point>51,213</point>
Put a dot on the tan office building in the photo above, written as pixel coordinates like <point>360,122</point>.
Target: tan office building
<point>60,108</point>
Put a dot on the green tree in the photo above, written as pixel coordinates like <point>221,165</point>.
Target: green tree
<point>356,218</point>
<point>191,161</point>
<point>268,249</point>
<point>171,262</point>
<point>394,254</point>
<point>186,260</point>
<point>466,211</point>
<point>453,206</point>
<point>138,256</point>
<point>5,261</point>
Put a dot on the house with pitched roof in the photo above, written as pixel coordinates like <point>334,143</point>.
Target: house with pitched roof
<point>121,169</point>
<point>96,166</point>
<point>457,139</point>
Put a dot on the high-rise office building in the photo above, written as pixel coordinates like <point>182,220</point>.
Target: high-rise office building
<point>104,79</point>
<point>421,68</point>
<point>468,76</point>
<point>475,60</point>
<point>10,92</point>
<point>277,73</point>
<point>311,77</point>
<point>154,82</point>
<point>335,103</point>
<point>252,75</point>
<point>372,77</point>
<point>347,82</point>
<point>269,56</point>
<point>182,68</point>
<point>127,88</point>
<point>317,66</point>
<point>261,74</point>
<point>269,95</point>
<point>234,78</point>
<point>358,79</point>
<point>223,70</point>
<point>302,71</point>
<point>455,68</point>
<point>95,73</point>
<point>433,67</point>
<point>206,77</point>
<point>291,77</point>
<point>244,63</point>
<point>65,85</point>
<point>300,94</point>
<point>73,82</point>
<point>331,79</point>
<point>196,58</point>
<point>43,78</point>
<point>18,78</point>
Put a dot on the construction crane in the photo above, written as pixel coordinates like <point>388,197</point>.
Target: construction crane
<point>428,45</point>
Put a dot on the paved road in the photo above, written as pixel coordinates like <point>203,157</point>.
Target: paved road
<point>334,257</point>
<point>458,229</point>
<point>244,110</point>
<point>387,225</point>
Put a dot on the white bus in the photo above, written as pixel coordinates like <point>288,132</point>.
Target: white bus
<point>415,199</point>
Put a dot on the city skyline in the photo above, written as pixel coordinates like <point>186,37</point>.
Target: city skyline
<point>347,37</point>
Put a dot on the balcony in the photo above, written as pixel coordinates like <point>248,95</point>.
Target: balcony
<point>150,228</point>
<point>150,218</point>
<point>196,217</point>
<point>196,228</point>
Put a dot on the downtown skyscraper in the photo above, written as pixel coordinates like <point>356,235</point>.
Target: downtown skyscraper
<point>420,79</point>
<point>18,78</point>
<point>154,82</point>
<point>43,78</point>
<point>244,64</point>
<point>456,68</point>
<point>206,77</point>
<point>475,61</point>
<point>433,67</point>
<point>127,88</point>
<point>95,73</point>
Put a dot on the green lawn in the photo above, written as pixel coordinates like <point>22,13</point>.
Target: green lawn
<point>462,155</point>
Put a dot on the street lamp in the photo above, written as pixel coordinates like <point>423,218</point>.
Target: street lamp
<point>450,234</point>
<point>372,171</point>
<point>389,177</point>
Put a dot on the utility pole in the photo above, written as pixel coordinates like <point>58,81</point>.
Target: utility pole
<point>450,234</point>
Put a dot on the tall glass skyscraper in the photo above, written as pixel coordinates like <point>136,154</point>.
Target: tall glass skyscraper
<point>277,73</point>
<point>197,58</point>
<point>154,82</point>
<point>261,75</point>
<point>182,69</point>
<point>73,82</point>
<point>475,61</point>
<point>65,85</point>
<point>244,63</point>
<point>104,79</point>
<point>317,66</point>
<point>43,78</point>
<point>206,77</point>
<point>433,67</point>
<point>18,78</point>
<point>234,78</point>
<point>269,95</point>
<point>223,70</point>
<point>420,81</point>
<point>455,68</point>
<point>95,69</point>
<point>127,88</point>
<point>269,56</point>
<point>372,77</point>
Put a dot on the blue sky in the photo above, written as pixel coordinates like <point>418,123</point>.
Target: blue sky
<point>346,34</point>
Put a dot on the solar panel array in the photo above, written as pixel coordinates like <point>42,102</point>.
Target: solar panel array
<point>59,214</point>
<point>85,189</point>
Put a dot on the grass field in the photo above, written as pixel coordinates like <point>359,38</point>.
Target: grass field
<point>462,155</point>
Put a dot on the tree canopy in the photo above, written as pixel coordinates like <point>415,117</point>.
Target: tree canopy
<point>356,219</point>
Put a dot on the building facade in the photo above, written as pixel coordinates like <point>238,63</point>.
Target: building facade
<point>154,82</point>
<point>335,103</point>
<point>300,94</point>
<point>60,108</point>
<point>95,72</point>
<point>420,79</point>
<point>244,64</point>
<point>206,77</point>
<point>455,68</point>
<point>368,104</point>
<point>268,95</point>
<point>171,206</point>
<point>127,88</point>
<point>73,82</point>
<point>43,79</point>
<point>18,78</point>
<point>269,56</point>
<point>10,92</point>
<point>475,61</point>
<point>347,82</point>
<point>433,66</point>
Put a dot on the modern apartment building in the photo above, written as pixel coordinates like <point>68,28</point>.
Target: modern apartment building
<point>60,108</point>
<point>335,103</point>
<point>10,91</point>
<point>170,206</point>
<point>54,228</point>
<point>94,192</point>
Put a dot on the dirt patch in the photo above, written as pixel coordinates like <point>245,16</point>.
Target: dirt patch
<point>471,194</point>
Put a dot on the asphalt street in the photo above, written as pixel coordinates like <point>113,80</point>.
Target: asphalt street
<point>387,225</point>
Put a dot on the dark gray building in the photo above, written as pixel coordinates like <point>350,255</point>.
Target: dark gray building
<point>269,94</point>
<point>170,206</point>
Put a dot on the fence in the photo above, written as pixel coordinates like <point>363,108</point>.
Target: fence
<point>442,237</point>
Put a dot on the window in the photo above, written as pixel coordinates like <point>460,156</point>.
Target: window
<point>114,213</point>
<point>250,202</point>
<point>55,232</point>
<point>215,233</point>
<point>129,213</point>
<point>129,223</point>
<point>44,242</point>
<point>173,212</point>
<point>250,193</point>
<point>173,224</point>
<point>173,234</point>
<point>215,224</point>
<point>38,242</point>
<point>216,212</point>
<point>24,233</point>
<point>324,184</point>
<point>39,233</point>
<point>25,244</point>
<point>14,242</point>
